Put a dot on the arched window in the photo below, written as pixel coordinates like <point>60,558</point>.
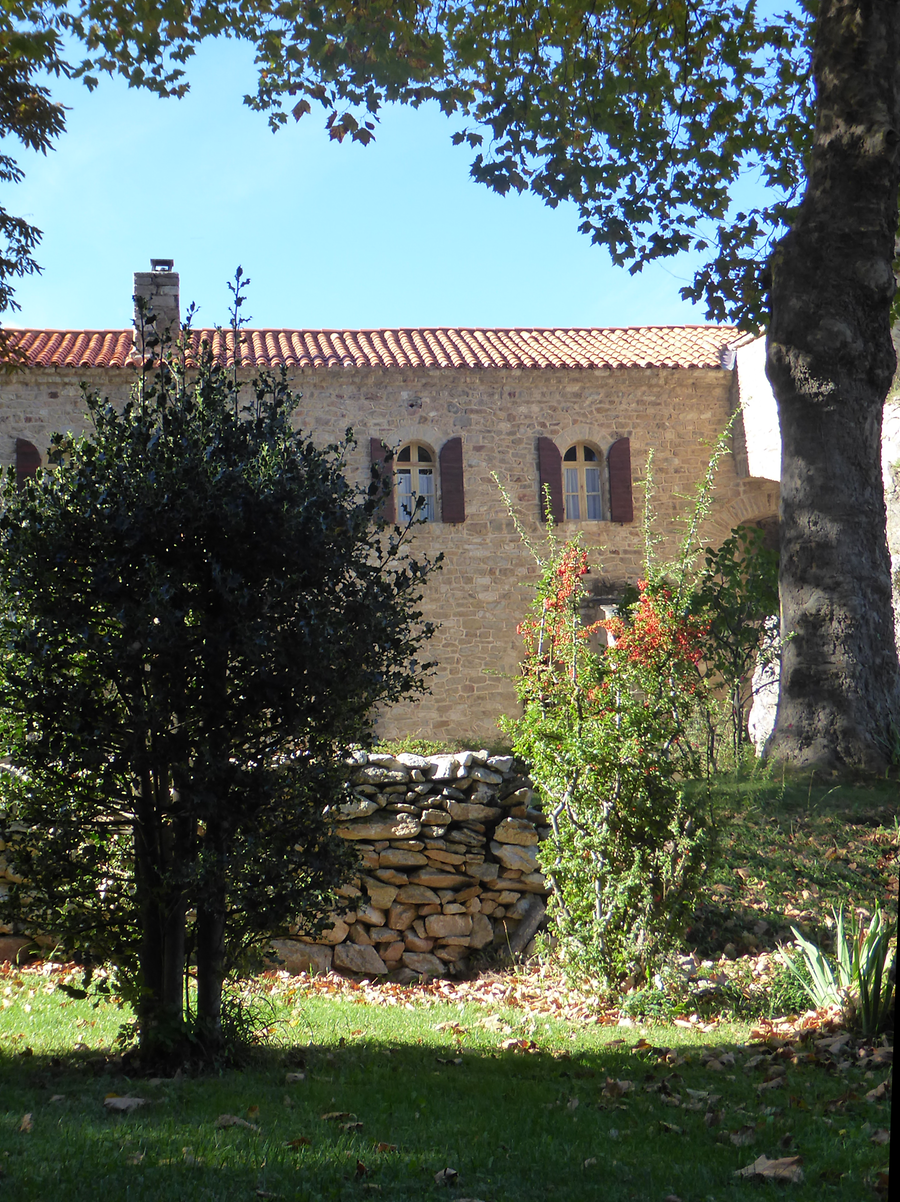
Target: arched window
<point>415,482</point>
<point>581,478</point>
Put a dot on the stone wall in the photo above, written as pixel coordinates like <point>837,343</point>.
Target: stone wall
<point>449,868</point>
<point>481,593</point>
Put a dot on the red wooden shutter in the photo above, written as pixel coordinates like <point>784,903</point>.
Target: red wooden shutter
<point>382,456</point>
<point>621,504</point>
<point>550,474</point>
<point>28,460</point>
<point>453,497</point>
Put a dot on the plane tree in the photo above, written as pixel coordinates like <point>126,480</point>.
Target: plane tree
<point>765,142</point>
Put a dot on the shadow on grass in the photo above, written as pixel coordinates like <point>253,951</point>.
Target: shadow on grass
<point>639,1117</point>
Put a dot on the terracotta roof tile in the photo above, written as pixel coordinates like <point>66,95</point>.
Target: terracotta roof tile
<point>524,349</point>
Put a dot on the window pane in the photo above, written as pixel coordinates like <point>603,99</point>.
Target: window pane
<point>404,493</point>
<point>571,454</point>
<point>403,457</point>
<point>424,456</point>
<point>592,488</point>
<point>590,455</point>
<point>573,508</point>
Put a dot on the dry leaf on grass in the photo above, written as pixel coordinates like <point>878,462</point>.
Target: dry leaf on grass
<point>355,1126</point>
<point>232,1120</point>
<point>294,1078</point>
<point>880,1137</point>
<point>879,1093</point>
<point>785,1169</point>
<point>446,1177</point>
<point>670,1128</point>
<point>334,1116</point>
<point>361,1169</point>
<point>187,1155</point>
<point>519,1045</point>
<point>26,1124</point>
<point>615,1089</point>
<point>302,1141</point>
<point>58,1097</point>
<point>743,1136</point>
<point>123,1105</point>
<point>590,1162</point>
<point>385,1147</point>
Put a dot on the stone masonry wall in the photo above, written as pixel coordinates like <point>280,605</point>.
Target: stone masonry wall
<point>483,589</point>
<point>449,867</point>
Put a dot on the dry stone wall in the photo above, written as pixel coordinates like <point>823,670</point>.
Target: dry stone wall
<point>448,850</point>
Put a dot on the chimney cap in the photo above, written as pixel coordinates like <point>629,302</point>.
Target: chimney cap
<point>162,264</point>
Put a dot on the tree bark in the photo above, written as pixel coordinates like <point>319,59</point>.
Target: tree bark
<point>830,361</point>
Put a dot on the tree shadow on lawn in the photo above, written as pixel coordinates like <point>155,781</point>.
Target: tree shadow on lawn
<point>642,1116</point>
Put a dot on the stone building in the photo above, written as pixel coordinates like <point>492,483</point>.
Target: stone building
<point>573,410</point>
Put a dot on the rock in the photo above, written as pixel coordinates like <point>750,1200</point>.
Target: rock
<point>445,857</point>
<point>374,775</point>
<point>434,817</point>
<point>434,879</point>
<point>521,797</point>
<point>500,763</point>
<point>451,954</point>
<point>444,767</point>
<point>482,932</point>
<point>388,826</point>
<point>358,808</point>
<point>15,949</point>
<point>516,830</point>
<point>350,957</point>
<point>417,895</point>
<point>380,894</point>
<point>401,917</point>
<point>533,882</point>
<point>466,837</point>
<point>295,957</point>
<point>384,760</point>
<point>371,915</point>
<point>483,872</point>
<point>414,944</point>
<point>522,859</point>
<point>424,964</point>
<point>440,925</point>
<point>335,933</point>
<point>393,857</point>
<point>390,877</point>
<point>486,775</point>
<point>463,811</point>
<point>383,935</point>
<point>392,953</point>
<point>453,908</point>
<point>408,760</point>
<point>359,934</point>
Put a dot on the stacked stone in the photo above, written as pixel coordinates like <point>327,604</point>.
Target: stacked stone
<point>448,849</point>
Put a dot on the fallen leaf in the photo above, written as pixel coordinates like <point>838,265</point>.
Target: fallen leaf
<point>58,1097</point>
<point>743,1136</point>
<point>446,1177</point>
<point>252,1112</point>
<point>123,1105</point>
<point>713,1118</point>
<point>294,1078</point>
<point>232,1120</point>
<point>573,1104</point>
<point>786,1169</point>
<point>670,1128</point>
<point>385,1147</point>
<point>519,1045</point>
<point>357,1126</point>
<point>878,1093</point>
<point>615,1089</point>
<point>187,1155</point>
<point>883,1136</point>
<point>26,1124</point>
<point>590,1162</point>
<point>302,1141</point>
<point>444,1060</point>
<point>288,1102</point>
<point>334,1116</point>
<point>361,1169</point>
<point>136,1158</point>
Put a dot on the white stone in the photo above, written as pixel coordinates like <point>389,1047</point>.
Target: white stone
<point>350,957</point>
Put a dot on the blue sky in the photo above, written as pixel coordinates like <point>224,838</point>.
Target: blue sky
<point>393,234</point>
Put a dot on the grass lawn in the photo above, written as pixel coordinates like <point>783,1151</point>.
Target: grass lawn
<point>525,1090</point>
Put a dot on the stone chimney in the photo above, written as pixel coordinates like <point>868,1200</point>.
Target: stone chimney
<point>158,287</point>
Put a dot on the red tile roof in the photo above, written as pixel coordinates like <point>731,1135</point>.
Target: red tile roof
<point>633,346</point>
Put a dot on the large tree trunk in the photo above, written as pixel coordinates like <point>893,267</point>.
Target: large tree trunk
<point>830,362</point>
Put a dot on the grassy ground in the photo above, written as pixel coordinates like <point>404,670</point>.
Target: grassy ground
<point>525,1089</point>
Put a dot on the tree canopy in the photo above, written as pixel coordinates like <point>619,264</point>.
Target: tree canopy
<point>768,142</point>
<point>198,614</point>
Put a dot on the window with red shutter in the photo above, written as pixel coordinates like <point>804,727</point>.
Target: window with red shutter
<point>550,476</point>
<point>621,503</point>
<point>453,498</point>
<point>382,456</point>
<point>28,460</point>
